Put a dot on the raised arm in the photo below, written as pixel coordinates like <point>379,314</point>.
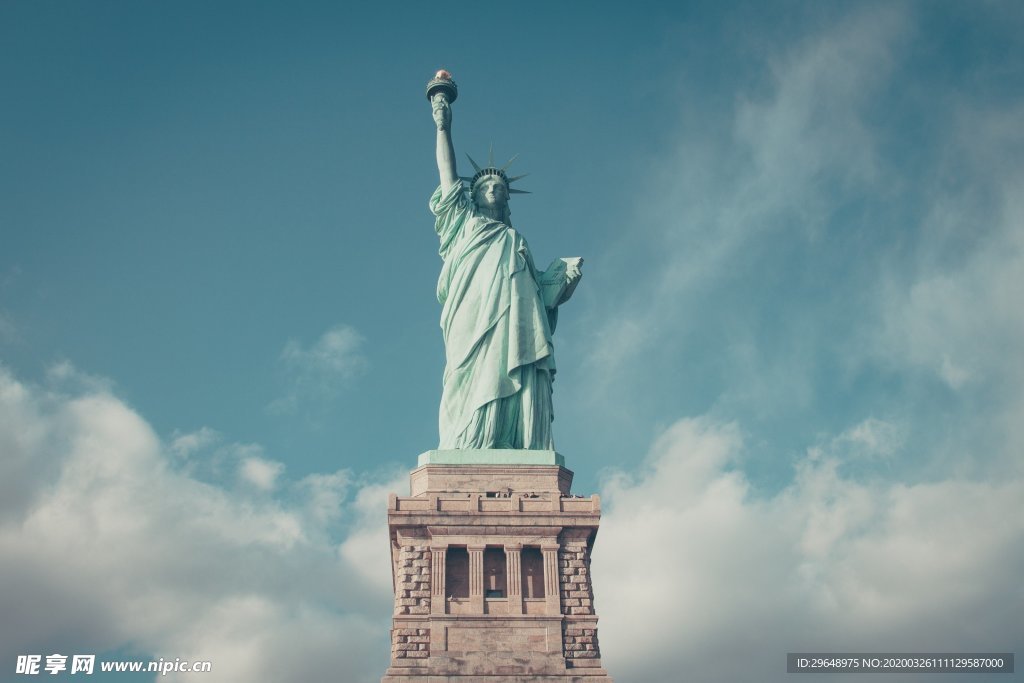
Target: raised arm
<point>445,150</point>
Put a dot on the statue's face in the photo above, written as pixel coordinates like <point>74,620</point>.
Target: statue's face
<point>491,192</point>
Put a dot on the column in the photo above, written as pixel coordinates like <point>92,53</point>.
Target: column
<point>514,577</point>
<point>551,579</point>
<point>476,578</point>
<point>438,559</point>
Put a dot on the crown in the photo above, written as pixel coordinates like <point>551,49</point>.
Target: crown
<point>492,170</point>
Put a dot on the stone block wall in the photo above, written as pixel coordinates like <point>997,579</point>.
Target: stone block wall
<point>410,643</point>
<point>412,580</point>
<point>580,642</point>
<point>579,635</point>
<point>576,592</point>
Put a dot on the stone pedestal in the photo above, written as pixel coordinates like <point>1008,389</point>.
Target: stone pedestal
<point>491,568</point>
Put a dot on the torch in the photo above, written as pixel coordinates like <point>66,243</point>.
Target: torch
<point>442,84</point>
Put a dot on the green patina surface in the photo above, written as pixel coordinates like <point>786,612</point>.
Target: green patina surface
<point>498,309</point>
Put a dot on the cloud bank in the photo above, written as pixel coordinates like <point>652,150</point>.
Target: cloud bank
<point>116,548</point>
<point>699,578</point>
<point>830,264</point>
<point>106,543</point>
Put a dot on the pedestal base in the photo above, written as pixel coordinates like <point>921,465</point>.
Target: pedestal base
<point>491,569</point>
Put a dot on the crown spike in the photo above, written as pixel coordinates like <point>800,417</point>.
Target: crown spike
<point>492,170</point>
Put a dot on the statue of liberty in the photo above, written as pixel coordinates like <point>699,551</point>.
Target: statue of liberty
<point>498,311</point>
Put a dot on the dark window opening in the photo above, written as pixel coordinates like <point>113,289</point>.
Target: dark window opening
<point>456,573</point>
<point>532,565</point>
<point>495,585</point>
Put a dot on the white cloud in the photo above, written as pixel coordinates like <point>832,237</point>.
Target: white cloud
<point>959,324</point>
<point>335,352</point>
<point>695,573</point>
<point>959,316</point>
<point>870,439</point>
<point>793,140</point>
<point>317,372</point>
<point>701,575</point>
<point>185,444</point>
<point>63,375</point>
<point>23,434</point>
<point>324,494</point>
<point>260,472</point>
<point>117,548</point>
<point>847,236</point>
<point>109,546</point>
<point>363,547</point>
<point>954,315</point>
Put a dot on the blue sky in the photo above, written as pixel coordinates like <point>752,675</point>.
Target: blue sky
<point>793,368</point>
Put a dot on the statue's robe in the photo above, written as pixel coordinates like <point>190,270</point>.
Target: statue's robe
<point>497,331</point>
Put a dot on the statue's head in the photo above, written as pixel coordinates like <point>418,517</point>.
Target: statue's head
<point>490,191</point>
<point>490,186</point>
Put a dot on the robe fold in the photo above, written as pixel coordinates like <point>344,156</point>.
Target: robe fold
<point>497,332</point>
